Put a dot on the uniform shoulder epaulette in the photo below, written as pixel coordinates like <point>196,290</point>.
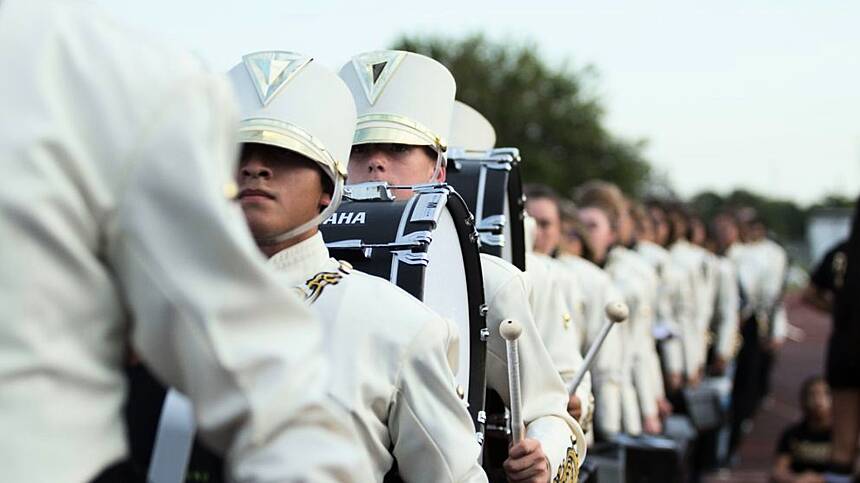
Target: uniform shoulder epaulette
<point>315,285</point>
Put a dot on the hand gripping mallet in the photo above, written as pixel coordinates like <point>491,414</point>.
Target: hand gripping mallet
<point>511,330</point>
<point>616,313</point>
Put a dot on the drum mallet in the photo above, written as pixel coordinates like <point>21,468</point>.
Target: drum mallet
<point>511,330</point>
<point>616,313</point>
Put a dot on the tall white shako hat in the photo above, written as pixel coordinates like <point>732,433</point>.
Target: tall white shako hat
<point>401,98</point>
<point>470,130</point>
<point>289,101</point>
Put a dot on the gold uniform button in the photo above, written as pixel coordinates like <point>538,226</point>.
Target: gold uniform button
<point>230,190</point>
<point>461,392</point>
<point>566,319</point>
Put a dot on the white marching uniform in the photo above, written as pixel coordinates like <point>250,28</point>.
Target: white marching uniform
<point>391,359</point>
<point>121,153</point>
<point>637,283</point>
<point>558,310</point>
<point>726,321</point>
<point>384,86</point>
<point>709,287</point>
<point>689,259</point>
<point>762,266</point>
<point>609,378</point>
<point>671,307</point>
<point>544,399</point>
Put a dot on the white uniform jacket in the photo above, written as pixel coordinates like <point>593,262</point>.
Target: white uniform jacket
<point>637,282</point>
<point>559,315</point>
<point>670,303</point>
<point>543,394</point>
<point>608,375</point>
<point>726,323</point>
<point>761,267</point>
<point>693,338</point>
<point>117,153</point>
<point>391,361</point>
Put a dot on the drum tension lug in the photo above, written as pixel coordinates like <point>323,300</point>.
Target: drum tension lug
<point>484,310</point>
<point>485,334</point>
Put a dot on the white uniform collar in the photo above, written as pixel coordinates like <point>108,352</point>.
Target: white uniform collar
<point>301,261</point>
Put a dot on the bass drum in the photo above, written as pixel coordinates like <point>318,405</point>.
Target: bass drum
<point>428,246</point>
<point>491,184</point>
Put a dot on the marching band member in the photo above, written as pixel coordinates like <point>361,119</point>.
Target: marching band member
<point>118,211</point>
<point>603,211</point>
<point>391,356</point>
<point>761,266</point>
<point>572,339</point>
<point>553,293</point>
<point>726,321</point>
<point>678,288</point>
<point>405,102</point>
<point>670,289</point>
<point>609,380</point>
<point>689,259</point>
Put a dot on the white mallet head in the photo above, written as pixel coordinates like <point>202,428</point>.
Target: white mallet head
<point>617,311</point>
<point>510,329</point>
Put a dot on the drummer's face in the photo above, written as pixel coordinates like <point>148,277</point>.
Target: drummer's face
<point>545,212</point>
<point>402,164</point>
<point>600,232</point>
<point>278,190</point>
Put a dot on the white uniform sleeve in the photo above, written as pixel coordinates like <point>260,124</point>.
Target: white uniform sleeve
<point>432,434</point>
<point>728,310</point>
<point>671,292</point>
<point>543,395</point>
<point>690,335</point>
<point>608,371</point>
<point>209,319</point>
<point>773,288</point>
<point>556,304</point>
<point>643,378</point>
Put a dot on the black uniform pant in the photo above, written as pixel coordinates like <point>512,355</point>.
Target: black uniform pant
<point>752,363</point>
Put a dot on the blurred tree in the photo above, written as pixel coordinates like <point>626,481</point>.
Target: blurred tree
<point>785,218</point>
<point>834,201</point>
<point>544,111</point>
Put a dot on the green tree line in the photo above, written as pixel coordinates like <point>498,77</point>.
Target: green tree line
<point>551,114</point>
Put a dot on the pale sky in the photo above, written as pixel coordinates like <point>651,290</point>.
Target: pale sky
<point>761,95</point>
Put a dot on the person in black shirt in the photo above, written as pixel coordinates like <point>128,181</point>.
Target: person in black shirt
<point>828,278</point>
<point>804,450</point>
<point>843,356</point>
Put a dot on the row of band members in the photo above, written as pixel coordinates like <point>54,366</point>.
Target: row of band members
<point>391,359</point>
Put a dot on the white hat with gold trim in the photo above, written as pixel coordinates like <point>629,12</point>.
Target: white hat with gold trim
<point>401,97</point>
<point>289,101</point>
<point>470,130</point>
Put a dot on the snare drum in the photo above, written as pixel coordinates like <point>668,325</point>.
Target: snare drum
<point>428,246</point>
<point>491,185</point>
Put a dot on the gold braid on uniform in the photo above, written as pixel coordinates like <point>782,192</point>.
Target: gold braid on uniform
<point>315,285</point>
<point>568,471</point>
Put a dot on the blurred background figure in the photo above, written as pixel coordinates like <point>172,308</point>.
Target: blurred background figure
<point>836,284</point>
<point>804,450</point>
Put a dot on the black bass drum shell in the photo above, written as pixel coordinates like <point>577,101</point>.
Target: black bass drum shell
<point>396,240</point>
<point>491,185</point>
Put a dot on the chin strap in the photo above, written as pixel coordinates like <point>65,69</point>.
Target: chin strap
<point>313,222</point>
<point>440,161</point>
